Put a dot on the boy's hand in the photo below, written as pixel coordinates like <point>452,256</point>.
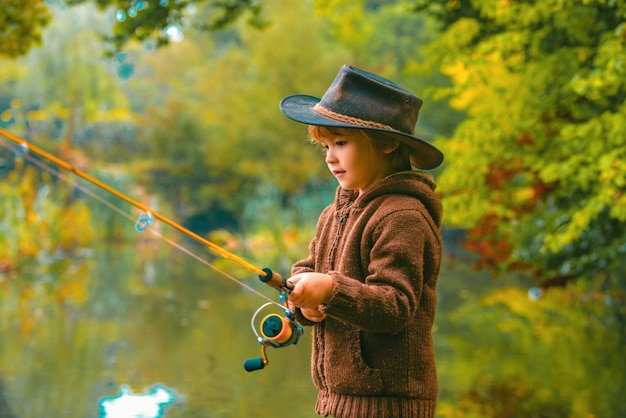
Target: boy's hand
<point>313,314</point>
<point>309,291</point>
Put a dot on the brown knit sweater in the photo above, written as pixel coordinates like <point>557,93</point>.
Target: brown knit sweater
<point>373,355</point>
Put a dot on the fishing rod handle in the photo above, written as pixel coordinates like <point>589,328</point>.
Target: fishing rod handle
<point>275,280</point>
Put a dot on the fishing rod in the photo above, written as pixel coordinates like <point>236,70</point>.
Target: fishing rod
<point>273,330</point>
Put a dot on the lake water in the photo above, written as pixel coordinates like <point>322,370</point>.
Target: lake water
<point>75,330</point>
<point>78,331</point>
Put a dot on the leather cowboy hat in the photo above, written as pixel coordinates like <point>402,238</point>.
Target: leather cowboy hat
<point>363,100</point>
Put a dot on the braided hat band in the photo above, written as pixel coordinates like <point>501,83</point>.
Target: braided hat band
<point>350,119</point>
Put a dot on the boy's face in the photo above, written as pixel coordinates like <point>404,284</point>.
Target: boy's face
<point>353,159</point>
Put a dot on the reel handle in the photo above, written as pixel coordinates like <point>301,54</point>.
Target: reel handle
<point>258,363</point>
<point>253,364</point>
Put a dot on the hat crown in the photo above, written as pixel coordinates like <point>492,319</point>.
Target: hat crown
<point>359,94</point>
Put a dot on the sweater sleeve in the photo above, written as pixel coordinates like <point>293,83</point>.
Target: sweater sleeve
<point>389,295</point>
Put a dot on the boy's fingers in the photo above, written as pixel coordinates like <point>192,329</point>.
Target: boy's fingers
<point>291,282</point>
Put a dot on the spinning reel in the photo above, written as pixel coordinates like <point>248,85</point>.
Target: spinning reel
<point>274,330</point>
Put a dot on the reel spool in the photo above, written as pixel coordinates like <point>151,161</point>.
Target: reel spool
<point>277,329</point>
<point>273,330</point>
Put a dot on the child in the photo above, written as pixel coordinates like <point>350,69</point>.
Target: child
<point>368,285</point>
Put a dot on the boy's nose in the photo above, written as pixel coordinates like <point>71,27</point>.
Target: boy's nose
<point>330,156</point>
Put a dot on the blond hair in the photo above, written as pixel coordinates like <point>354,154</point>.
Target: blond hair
<point>399,159</point>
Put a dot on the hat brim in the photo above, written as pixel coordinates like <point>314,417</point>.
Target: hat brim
<point>299,107</point>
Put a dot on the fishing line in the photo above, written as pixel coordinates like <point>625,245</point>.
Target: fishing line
<point>274,330</point>
<point>142,224</point>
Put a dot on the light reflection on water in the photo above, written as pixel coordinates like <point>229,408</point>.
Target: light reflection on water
<point>76,330</point>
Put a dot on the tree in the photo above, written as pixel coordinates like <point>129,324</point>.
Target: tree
<point>385,37</point>
<point>213,127</point>
<point>66,90</point>
<point>23,20</point>
<point>536,171</point>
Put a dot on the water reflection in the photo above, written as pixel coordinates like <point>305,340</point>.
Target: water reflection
<point>152,404</point>
<point>76,329</point>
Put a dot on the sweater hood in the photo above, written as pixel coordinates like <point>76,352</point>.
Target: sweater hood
<point>417,184</point>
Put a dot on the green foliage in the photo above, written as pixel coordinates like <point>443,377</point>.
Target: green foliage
<point>537,169</point>
<point>138,20</point>
<point>164,20</point>
<point>385,37</point>
<point>21,22</point>
<point>212,127</point>
<point>66,92</point>
<point>196,116</point>
<point>199,130</point>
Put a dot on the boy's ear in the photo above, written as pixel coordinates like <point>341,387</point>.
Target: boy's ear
<point>390,146</point>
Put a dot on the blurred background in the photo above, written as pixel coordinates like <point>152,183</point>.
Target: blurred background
<point>175,103</point>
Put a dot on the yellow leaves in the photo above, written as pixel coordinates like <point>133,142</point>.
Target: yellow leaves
<point>32,220</point>
<point>112,115</point>
<point>72,291</point>
<point>589,164</point>
<point>330,8</point>
<point>74,227</point>
<point>458,36</point>
<point>511,304</point>
<point>564,96</point>
<point>12,70</point>
<point>606,77</point>
<point>6,115</point>
<point>58,110</point>
<point>348,17</point>
<point>523,195</point>
<point>209,115</point>
<point>613,178</point>
<point>93,112</point>
<point>37,115</point>
<point>458,72</point>
<point>483,79</point>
